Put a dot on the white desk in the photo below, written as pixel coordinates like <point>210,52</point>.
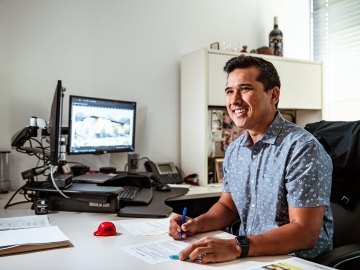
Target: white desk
<point>199,192</point>
<point>90,252</point>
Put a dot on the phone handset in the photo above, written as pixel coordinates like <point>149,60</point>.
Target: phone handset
<point>151,167</point>
<point>164,172</point>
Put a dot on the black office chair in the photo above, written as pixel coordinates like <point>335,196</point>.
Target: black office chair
<point>341,139</point>
<point>346,252</point>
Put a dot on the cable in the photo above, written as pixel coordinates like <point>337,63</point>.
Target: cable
<point>54,183</point>
<point>8,204</point>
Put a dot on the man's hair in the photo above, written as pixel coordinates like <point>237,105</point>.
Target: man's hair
<point>268,75</point>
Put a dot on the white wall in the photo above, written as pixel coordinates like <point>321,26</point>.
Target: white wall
<point>127,50</point>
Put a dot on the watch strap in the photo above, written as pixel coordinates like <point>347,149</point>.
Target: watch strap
<point>244,243</point>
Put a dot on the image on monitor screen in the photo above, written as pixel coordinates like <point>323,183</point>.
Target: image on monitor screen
<point>55,124</point>
<point>99,125</point>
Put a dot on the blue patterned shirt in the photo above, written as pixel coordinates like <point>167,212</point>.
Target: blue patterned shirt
<point>286,168</point>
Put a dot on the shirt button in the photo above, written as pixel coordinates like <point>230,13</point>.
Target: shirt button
<point>253,205</point>
<point>254,156</point>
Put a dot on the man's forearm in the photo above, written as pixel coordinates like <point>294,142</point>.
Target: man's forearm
<point>218,217</point>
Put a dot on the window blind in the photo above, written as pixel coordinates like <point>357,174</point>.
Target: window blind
<point>336,42</point>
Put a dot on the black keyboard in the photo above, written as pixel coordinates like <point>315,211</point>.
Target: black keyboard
<point>128,193</point>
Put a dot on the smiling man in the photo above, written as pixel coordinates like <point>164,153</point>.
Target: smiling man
<point>277,178</point>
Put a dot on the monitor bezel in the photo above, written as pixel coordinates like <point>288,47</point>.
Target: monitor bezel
<point>100,150</point>
<point>55,124</point>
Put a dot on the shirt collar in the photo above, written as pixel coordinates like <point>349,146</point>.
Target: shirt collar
<point>270,134</point>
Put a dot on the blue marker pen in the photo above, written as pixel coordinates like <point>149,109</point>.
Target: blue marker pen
<point>174,256</point>
<point>183,218</point>
<point>177,257</point>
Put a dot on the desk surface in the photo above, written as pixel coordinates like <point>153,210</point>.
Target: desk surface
<point>199,192</point>
<point>90,252</point>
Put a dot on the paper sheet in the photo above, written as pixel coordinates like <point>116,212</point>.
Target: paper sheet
<point>180,185</point>
<point>292,264</point>
<point>40,235</point>
<point>146,227</point>
<point>156,252</point>
<point>159,251</point>
<point>24,222</point>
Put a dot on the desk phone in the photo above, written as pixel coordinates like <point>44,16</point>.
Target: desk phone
<point>164,172</point>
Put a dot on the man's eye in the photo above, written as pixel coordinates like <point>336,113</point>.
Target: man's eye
<point>228,92</point>
<point>246,88</point>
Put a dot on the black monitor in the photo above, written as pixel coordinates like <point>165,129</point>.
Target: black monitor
<point>55,124</point>
<point>98,126</point>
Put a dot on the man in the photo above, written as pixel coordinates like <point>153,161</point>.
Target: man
<point>277,178</point>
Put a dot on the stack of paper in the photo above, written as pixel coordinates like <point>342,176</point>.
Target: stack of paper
<point>29,233</point>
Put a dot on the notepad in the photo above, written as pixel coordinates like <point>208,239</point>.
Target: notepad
<point>31,239</point>
<point>29,233</point>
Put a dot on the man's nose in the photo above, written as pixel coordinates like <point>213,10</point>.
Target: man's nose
<point>236,97</point>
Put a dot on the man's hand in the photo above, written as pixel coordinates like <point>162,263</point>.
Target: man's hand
<point>211,249</point>
<point>187,229</point>
<point>220,215</point>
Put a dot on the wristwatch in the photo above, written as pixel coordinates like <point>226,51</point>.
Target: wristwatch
<point>244,243</point>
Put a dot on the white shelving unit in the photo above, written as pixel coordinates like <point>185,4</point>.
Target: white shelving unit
<point>203,83</point>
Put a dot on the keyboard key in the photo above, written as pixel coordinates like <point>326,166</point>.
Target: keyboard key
<point>128,193</point>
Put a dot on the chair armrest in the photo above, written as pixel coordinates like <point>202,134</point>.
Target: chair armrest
<point>339,255</point>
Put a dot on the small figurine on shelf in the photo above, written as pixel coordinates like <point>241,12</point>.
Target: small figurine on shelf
<point>264,50</point>
<point>244,49</point>
<point>215,46</point>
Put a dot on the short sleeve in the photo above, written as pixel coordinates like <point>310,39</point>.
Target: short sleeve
<point>308,176</point>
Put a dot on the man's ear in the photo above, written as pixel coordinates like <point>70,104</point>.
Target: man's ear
<point>275,94</point>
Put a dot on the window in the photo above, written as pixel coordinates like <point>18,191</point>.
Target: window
<point>336,42</point>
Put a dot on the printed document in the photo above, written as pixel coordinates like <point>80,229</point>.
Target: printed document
<point>157,251</point>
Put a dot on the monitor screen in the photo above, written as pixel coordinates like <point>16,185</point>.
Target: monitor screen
<point>55,124</point>
<point>99,125</point>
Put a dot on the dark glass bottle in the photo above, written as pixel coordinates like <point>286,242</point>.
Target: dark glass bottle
<point>276,39</point>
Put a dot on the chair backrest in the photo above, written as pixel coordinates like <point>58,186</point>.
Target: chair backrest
<point>341,140</point>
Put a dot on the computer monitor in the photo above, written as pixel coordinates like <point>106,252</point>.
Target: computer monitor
<point>55,124</point>
<point>98,126</point>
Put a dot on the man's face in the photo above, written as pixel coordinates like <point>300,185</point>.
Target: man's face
<point>248,105</point>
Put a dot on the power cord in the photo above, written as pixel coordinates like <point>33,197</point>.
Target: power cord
<point>54,183</point>
<point>8,204</point>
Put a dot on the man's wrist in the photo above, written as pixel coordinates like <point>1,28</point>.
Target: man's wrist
<point>238,249</point>
<point>244,244</point>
